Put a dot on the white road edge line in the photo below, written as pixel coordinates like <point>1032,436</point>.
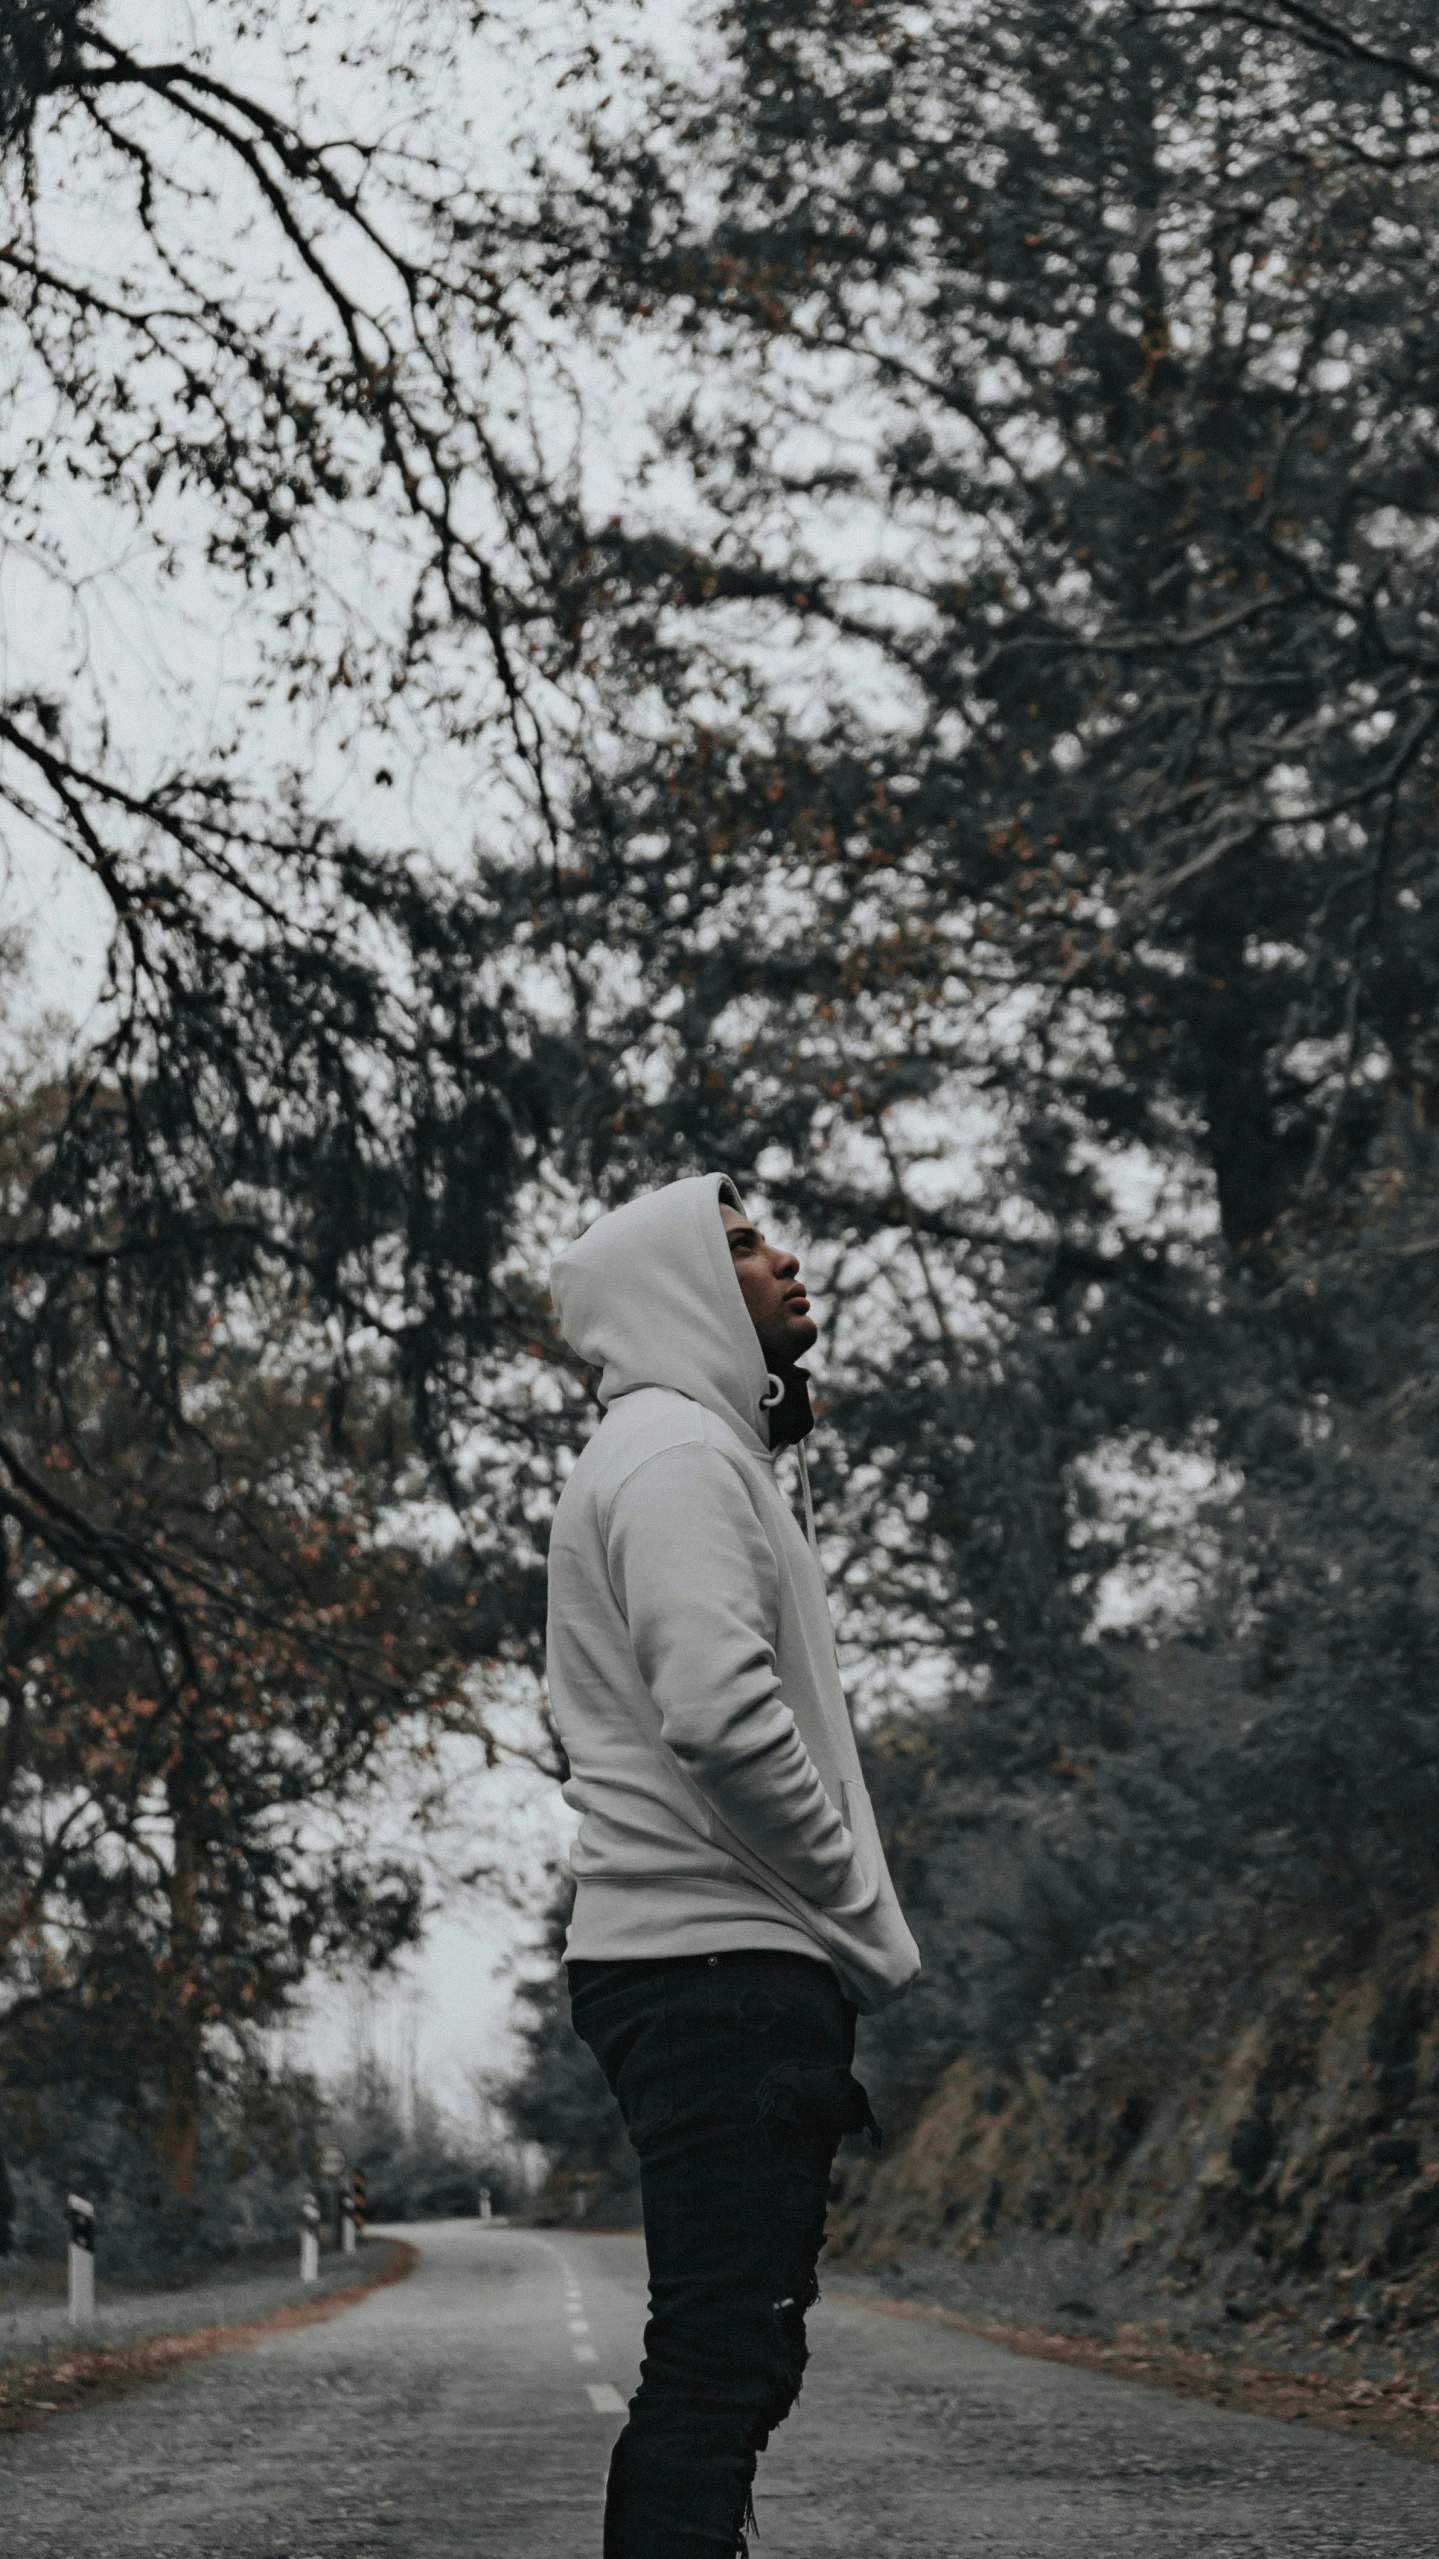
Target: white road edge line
<point>604,2399</point>
<point>585,2354</point>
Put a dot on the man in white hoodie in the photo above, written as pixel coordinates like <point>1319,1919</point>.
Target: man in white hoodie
<point>733,1909</point>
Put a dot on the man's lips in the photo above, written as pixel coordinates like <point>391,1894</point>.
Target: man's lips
<point>797,1301</point>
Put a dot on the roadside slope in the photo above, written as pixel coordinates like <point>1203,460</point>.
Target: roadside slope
<point>1257,2163</point>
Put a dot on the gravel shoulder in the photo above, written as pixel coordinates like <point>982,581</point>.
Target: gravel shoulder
<point>1063,2301</point>
<point>47,2366</point>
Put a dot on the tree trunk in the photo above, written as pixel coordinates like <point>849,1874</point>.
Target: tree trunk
<point>180,2124</point>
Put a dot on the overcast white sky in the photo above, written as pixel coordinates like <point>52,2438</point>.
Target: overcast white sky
<point>446,2010</point>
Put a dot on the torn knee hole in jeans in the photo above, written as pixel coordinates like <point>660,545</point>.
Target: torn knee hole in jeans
<point>815,2097</point>
<point>798,2303</point>
<point>789,2355</point>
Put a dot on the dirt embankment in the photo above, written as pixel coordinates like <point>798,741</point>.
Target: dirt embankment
<point>1250,2176</point>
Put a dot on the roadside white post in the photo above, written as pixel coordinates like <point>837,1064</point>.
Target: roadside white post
<point>487,2208</point>
<point>309,2240</point>
<point>347,2222</point>
<point>332,2165</point>
<point>82,2259</point>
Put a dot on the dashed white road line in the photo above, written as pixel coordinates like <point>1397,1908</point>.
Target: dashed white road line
<point>603,2397</point>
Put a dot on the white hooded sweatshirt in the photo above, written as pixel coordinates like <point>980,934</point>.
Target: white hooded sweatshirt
<point>691,1657</point>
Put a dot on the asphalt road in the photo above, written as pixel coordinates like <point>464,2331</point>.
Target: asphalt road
<point>467,2413</point>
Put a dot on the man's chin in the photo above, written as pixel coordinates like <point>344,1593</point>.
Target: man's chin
<point>799,1336</point>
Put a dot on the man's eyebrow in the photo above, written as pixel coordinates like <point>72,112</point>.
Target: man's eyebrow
<point>742,1234</point>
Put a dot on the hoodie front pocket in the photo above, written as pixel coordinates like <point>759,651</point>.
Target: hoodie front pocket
<point>858,1821</point>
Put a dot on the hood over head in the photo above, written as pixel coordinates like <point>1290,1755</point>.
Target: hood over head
<point>649,1296</point>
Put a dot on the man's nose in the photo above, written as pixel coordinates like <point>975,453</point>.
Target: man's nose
<point>786,1265</point>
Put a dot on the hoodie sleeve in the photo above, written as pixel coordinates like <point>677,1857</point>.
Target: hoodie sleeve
<point>692,1569</point>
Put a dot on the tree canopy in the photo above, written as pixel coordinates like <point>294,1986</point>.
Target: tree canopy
<point>255,1203</point>
<point>856,604</point>
<point>1017,816</point>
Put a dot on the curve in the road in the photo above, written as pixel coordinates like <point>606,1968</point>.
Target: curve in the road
<point>468,2413</point>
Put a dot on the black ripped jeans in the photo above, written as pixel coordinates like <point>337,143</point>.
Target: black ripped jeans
<point>732,2074</point>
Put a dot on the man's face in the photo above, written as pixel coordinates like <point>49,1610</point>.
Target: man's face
<point>770,1286</point>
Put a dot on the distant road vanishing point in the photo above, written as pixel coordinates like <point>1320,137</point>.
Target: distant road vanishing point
<point>468,2412</point>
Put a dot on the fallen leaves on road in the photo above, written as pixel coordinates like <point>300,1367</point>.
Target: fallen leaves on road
<point>89,2375</point>
<point>1398,2412</point>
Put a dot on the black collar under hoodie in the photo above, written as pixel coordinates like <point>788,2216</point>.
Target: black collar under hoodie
<point>691,1658</point>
